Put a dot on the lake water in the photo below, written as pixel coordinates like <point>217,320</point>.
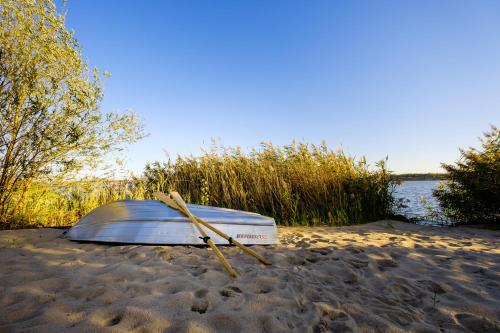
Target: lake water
<point>413,198</point>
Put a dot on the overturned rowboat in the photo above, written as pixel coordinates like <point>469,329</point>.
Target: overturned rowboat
<point>153,222</point>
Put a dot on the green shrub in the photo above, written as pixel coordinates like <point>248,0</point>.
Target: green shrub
<point>472,193</point>
<point>298,184</point>
<point>51,123</point>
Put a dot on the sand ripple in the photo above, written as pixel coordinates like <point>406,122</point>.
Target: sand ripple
<point>378,277</point>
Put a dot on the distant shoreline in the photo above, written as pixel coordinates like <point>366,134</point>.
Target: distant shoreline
<point>419,176</point>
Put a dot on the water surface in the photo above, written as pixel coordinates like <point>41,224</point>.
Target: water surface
<point>414,200</point>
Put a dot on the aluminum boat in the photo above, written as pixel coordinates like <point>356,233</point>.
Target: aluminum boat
<point>153,222</point>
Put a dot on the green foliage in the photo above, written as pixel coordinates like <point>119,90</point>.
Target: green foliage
<point>472,193</point>
<point>296,184</point>
<point>50,122</point>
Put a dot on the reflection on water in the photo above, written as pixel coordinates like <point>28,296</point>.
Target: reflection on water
<point>414,200</point>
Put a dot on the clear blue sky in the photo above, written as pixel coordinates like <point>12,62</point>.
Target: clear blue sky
<point>413,80</point>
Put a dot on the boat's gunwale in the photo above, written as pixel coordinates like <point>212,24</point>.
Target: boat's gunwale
<point>180,220</point>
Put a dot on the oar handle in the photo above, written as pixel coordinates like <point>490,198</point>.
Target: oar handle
<point>166,199</point>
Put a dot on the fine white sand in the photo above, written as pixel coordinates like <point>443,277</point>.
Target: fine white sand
<point>378,277</point>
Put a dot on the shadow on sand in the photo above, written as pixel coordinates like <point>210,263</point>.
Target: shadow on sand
<point>378,277</point>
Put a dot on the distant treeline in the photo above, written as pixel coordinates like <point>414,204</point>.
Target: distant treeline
<point>419,176</point>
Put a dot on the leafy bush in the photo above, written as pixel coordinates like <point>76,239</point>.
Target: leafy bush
<point>472,193</point>
<point>51,123</point>
<point>298,184</point>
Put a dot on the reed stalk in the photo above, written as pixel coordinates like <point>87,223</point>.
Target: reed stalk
<point>297,184</point>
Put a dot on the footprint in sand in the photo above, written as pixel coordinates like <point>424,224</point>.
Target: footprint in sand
<point>197,271</point>
<point>312,258</point>
<point>473,269</point>
<point>323,251</point>
<point>356,263</point>
<point>350,278</point>
<point>177,287</point>
<point>264,284</point>
<point>432,286</point>
<point>332,320</point>
<point>303,245</point>
<point>201,293</point>
<point>115,320</point>
<point>107,319</point>
<point>477,324</point>
<point>230,291</point>
<point>384,264</point>
<point>200,305</point>
<point>296,260</point>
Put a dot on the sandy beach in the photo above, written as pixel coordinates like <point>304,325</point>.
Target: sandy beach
<point>378,277</point>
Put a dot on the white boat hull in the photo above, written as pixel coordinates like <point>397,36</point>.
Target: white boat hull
<point>152,222</point>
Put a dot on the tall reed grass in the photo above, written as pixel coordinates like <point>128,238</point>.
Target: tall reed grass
<point>62,204</point>
<point>297,184</point>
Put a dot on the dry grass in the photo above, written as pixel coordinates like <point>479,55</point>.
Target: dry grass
<point>51,205</point>
<point>298,184</point>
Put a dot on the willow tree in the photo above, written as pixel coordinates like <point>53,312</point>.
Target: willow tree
<point>50,121</point>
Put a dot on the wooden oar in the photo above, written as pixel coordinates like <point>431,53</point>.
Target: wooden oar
<point>231,240</point>
<point>183,209</point>
<point>172,203</point>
